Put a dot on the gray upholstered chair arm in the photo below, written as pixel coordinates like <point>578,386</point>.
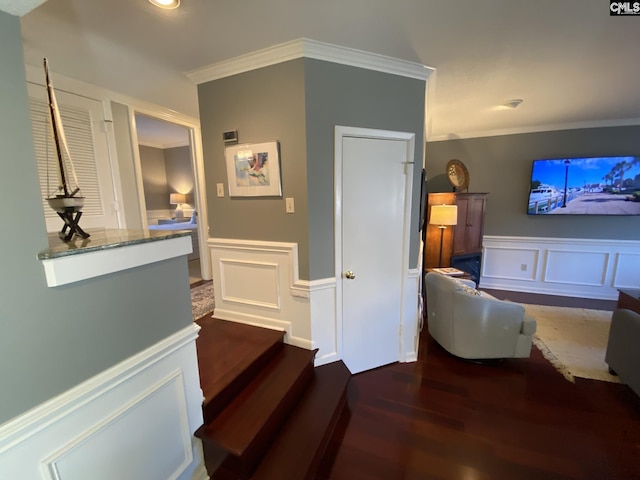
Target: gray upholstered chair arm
<point>529,325</point>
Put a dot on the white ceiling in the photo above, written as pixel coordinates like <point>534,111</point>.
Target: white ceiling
<point>157,133</point>
<point>572,63</point>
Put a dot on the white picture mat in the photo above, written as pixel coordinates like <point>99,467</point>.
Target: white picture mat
<point>253,170</point>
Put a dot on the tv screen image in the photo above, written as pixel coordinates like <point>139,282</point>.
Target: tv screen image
<point>585,186</point>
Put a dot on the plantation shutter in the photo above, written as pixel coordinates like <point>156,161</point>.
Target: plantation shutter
<point>78,131</point>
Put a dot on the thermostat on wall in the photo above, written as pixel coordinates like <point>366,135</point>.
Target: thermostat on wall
<point>230,137</point>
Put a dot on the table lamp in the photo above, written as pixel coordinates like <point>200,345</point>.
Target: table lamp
<point>178,199</point>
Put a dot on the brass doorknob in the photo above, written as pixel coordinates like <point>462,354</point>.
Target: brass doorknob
<point>349,274</point>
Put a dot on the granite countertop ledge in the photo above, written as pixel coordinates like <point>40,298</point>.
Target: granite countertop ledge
<point>103,239</point>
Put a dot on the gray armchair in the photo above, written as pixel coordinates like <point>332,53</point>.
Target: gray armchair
<point>475,325</point>
<point>623,354</point>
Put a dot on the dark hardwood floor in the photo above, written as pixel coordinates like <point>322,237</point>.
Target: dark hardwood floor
<point>446,418</point>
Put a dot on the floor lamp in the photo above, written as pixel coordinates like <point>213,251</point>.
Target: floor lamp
<point>443,215</point>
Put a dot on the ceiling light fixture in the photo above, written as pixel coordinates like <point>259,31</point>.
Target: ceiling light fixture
<point>513,103</point>
<point>167,4</point>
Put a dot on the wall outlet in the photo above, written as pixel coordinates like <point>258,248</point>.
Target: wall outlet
<point>289,205</point>
<point>220,189</point>
<point>523,267</point>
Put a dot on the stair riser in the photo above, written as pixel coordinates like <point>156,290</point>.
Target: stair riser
<point>302,442</point>
<point>315,463</point>
<point>269,415</point>
<point>279,416</point>
<point>243,465</point>
<point>212,408</point>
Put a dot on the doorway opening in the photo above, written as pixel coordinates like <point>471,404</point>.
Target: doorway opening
<point>170,196</point>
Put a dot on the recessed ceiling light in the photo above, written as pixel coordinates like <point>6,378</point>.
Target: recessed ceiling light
<point>168,4</point>
<point>513,103</point>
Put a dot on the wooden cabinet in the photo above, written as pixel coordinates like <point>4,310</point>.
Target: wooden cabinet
<point>467,234</point>
<point>462,239</point>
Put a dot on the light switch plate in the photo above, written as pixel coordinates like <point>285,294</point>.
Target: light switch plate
<point>220,189</point>
<point>289,205</point>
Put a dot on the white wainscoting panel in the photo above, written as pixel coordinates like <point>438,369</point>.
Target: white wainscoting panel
<point>154,215</point>
<point>576,268</point>
<point>627,270</point>
<point>589,268</point>
<point>234,289</point>
<point>134,420</point>
<point>409,333</point>
<point>511,263</point>
<point>306,310</point>
<point>324,327</point>
<point>257,283</point>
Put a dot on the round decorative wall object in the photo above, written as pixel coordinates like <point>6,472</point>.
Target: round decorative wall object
<point>458,174</point>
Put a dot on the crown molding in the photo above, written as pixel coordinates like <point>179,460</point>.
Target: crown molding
<point>624,122</point>
<point>19,8</point>
<point>307,48</point>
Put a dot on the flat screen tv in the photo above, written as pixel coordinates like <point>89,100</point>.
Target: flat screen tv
<point>585,186</point>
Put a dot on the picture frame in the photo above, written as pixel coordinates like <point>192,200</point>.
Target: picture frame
<point>253,170</point>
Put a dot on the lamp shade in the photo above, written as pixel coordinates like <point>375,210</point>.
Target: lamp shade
<point>177,198</point>
<point>444,215</point>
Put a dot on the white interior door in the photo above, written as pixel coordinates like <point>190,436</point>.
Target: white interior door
<point>373,223</point>
<point>83,121</point>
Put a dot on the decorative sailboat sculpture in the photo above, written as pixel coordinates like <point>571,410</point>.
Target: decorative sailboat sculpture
<point>67,201</point>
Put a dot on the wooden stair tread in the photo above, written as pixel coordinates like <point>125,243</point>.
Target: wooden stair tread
<point>298,448</point>
<point>226,350</point>
<point>247,423</point>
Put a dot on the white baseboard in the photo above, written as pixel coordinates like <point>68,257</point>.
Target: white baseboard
<point>134,420</point>
<point>588,268</point>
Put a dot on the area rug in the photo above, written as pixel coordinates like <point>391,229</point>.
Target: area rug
<point>574,340</point>
<point>202,300</point>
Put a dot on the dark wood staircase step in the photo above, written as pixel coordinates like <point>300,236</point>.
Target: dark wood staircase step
<point>230,355</point>
<point>246,426</point>
<point>297,450</point>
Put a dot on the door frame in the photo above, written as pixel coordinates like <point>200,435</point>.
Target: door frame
<point>409,138</point>
<point>197,166</point>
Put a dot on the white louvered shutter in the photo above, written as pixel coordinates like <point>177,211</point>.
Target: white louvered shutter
<point>88,151</point>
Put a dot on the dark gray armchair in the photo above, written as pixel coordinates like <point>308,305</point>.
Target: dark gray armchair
<point>623,354</point>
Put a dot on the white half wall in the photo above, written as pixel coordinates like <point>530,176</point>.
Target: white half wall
<point>257,283</point>
<point>588,268</point>
<point>409,333</point>
<point>134,420</point>
<point>324,322</point>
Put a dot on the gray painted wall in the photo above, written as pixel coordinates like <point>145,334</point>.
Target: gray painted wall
<point>154,178</point>
<point>348,96</point>
<point>299,103</point>
<point>501,165</point>
<point>54,338</point>
<point>180,176</point>
<point>165,171</point>
<point>263,105</point>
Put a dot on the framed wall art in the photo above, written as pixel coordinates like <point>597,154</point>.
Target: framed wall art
<point>253,170</point>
